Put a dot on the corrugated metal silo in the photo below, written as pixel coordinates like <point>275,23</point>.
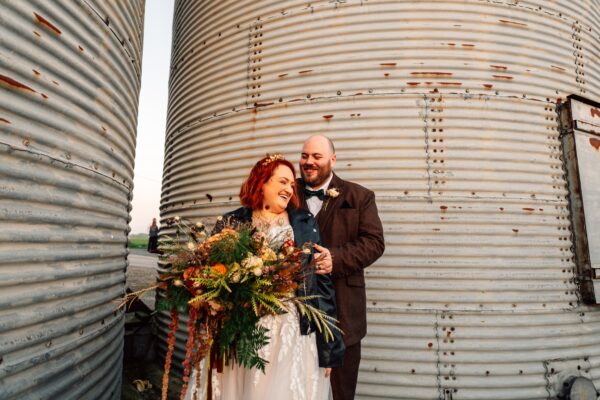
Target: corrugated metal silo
<point>447,110</point>
<point>69,84</point>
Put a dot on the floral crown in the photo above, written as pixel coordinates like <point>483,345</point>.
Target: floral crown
<point>274,157</point>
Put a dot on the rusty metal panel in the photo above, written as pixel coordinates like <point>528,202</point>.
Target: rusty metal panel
<point>580,126</point>
<point>447,110</point>
<point>69,84</point>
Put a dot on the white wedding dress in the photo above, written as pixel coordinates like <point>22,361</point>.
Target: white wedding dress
<point>292,372</point>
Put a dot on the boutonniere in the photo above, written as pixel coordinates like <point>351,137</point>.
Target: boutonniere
<point>333,193</point>
<point>330,194</point>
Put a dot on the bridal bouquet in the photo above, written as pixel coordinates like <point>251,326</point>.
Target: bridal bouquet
<point>226,282</point>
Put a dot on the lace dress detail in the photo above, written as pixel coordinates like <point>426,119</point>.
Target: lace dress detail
<point>292,371</point>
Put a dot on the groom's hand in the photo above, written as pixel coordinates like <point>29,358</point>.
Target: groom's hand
<point>327,372</point>
<point>323,261</point>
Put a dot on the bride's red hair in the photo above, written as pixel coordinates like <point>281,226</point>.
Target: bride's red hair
<point>251,194</point>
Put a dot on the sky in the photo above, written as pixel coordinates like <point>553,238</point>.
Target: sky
<point>152,114</point>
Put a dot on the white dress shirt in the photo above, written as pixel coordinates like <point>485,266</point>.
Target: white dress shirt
<point>314,203</point>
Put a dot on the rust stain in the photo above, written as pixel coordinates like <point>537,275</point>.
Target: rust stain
<point>443,208</point>
<point>505,21</point>
<point>501,208</point>
<point>558,68</point>
<point>47,23</point>
<point>499,67</point>
<point>14,83</point>
<point>103,128</point>
<point>413,83</point>
<point>305,71</point>
<point>4,120</point>
<point>36,72</point>
<point>282,75</point>
<point>388,64</point>
<point>515,230</point>
<point>452,44</point>
<point>436,229</point>
<point>327,117</point>
<point>451,83</point>
<point>468,45</point>
<point>44,96</point>
<point>262,104</point>
<point>508,78</point>
<point>358,94</point>
<point>595,143</point>
<point>81,48</point>
<point>594,112</point>
<point>56,83</point>
<point>430,345</point>
<point>37,34</point>
<point>386,75</point>
<point>528,209</point>
<point>431,73</point>
<point>488,86</point>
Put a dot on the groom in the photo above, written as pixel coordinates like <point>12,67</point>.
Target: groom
<point>351,231</point>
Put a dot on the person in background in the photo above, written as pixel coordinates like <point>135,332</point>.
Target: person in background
<point>153,237</point>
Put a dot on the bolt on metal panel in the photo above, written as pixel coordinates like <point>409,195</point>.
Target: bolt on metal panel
<point>70,80</point>
<point>447,110</point>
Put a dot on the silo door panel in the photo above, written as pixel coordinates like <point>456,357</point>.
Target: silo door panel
<point>580,126</point>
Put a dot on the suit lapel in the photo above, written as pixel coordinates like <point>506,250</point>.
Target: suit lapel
<point>330,203</point>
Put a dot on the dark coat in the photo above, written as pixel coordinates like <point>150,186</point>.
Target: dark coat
<point>305,229</point>
<point>351,229</point>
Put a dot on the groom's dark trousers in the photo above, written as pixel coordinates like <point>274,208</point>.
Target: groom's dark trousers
<point>351,230</point>
<point>343,380</point>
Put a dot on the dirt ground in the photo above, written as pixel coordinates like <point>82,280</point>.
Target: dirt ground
<point>140,359</point>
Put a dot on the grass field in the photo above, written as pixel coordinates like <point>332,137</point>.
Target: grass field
<point>138,241</point>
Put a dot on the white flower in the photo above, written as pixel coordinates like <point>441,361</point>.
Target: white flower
<point>177,218</point>
<point>333,193</point>
<point>199,225</point>
<point>257,271</point>
<point>252,262</point>
<point>201,235</point>
<point>306,250</point>
<point>191,245</point>
<point>235,277</point>
<point>219,218</point>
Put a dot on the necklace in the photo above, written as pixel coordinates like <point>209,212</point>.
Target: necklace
<point>260,220</point>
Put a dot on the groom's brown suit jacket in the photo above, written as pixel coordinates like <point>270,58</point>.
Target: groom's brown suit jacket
<point>351,229</point>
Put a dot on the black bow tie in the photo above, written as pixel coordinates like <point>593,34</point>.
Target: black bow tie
<point>310,193</point>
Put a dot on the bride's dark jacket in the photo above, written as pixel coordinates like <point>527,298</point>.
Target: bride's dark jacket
<point>305,229</point>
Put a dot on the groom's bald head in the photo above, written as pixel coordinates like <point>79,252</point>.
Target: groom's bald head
<point>320,141</point>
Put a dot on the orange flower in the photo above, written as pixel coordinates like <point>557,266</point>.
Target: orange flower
<point>191,272</point>
<point>219,269</point>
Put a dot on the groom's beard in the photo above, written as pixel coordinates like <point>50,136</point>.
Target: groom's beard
<point>317,179</point>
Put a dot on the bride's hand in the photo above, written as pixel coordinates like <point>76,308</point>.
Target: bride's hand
<point>323,260</point>
<point>327,372</point>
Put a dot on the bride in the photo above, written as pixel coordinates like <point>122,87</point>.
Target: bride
<point>299,358</point>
